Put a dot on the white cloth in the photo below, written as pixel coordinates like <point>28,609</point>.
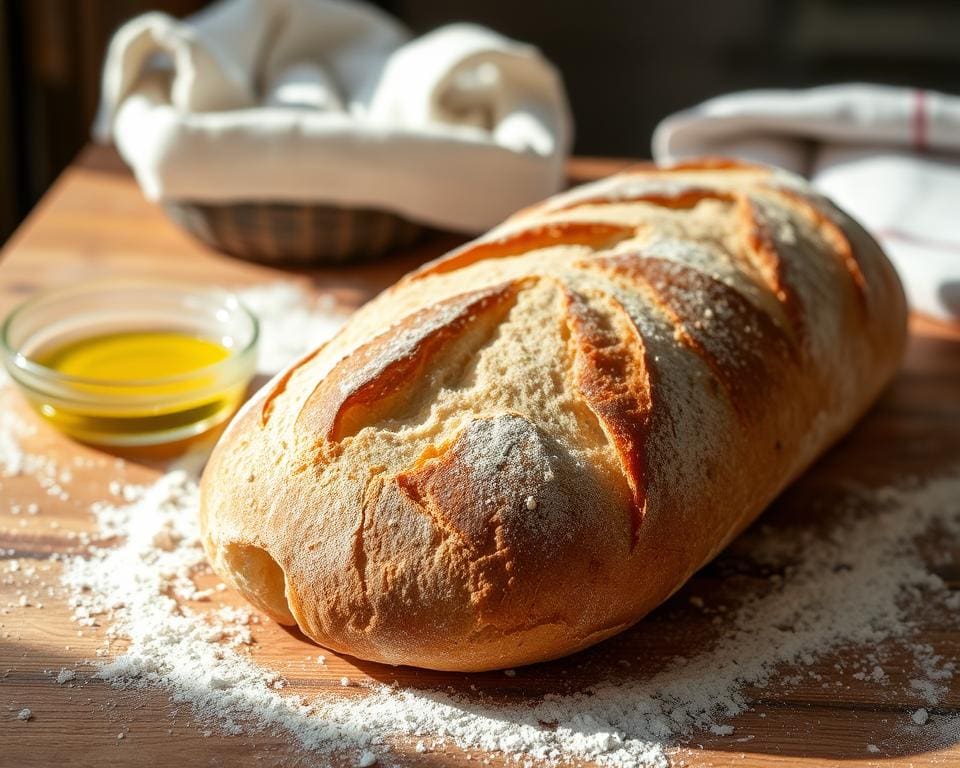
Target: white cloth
<point>331,101</point>
<point>889,156</point>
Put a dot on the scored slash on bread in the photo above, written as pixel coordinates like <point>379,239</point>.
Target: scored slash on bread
<point>596,235</point>
<point>612,372</point>
<point>523,447</point>
<point>681,293</point>
<point>363,388</point>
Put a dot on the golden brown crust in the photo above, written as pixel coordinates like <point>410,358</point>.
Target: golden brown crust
<point>832,234</point>
<point>523,447</point>
<point>279,386</point>
<point>684,197</point>
<point>713,163</point>
<point>613,376</point>
<point>593,234</point>
<point>744,349</point>
<point>378,376</point>
<point>761,249</point>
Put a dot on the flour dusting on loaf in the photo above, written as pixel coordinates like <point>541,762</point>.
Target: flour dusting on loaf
<point>523,447</point>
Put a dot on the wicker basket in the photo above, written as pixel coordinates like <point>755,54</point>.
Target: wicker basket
<point>295,235</point>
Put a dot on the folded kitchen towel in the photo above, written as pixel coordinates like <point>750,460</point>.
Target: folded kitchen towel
<point>888,155</point>
<point>333,102</point>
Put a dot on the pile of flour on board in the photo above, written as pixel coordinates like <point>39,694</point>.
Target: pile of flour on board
<point>851,588</point>
<point>846,590</point>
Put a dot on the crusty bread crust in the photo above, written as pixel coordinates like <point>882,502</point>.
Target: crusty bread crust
<point>523,447</point>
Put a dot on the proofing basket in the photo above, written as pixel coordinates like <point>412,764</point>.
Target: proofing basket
<point>293,234</point>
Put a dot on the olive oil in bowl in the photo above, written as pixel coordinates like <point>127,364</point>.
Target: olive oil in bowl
<point>132,365</point>
<point>131,370</point>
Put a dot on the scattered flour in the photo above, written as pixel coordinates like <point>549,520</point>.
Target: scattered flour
<point>66,676</point>
<point>292,322</point>
<point>851,588</point>
<point>14,460</point>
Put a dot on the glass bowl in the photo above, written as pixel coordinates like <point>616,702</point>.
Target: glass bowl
<point>125,411</point>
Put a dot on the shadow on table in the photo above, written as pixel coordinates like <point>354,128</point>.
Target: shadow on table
<point>911,434</point>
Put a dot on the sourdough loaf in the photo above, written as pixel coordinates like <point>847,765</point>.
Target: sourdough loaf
<point>523,447</point>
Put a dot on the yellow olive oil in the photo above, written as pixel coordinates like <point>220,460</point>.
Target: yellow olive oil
<point>135,356</point>
<point>132,387</point>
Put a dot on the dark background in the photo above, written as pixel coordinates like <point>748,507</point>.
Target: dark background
<point>627,63</point>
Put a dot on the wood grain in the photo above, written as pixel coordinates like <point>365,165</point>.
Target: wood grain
<point>94,222</point>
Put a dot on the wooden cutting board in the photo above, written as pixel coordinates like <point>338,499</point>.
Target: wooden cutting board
<point>95,223</point>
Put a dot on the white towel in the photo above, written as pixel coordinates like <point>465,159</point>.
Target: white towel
<point>331,101</point>
<point>890,156</point>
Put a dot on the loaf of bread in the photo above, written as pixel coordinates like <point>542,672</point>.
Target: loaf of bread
<point>523,447</point>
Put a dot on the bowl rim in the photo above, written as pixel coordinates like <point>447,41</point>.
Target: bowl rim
<point>16,359</point>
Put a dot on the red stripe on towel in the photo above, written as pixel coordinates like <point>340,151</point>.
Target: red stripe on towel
<point>920,120</point>
<point>926,242</point>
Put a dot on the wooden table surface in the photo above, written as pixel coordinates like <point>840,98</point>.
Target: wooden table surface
<point>94,222</point>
